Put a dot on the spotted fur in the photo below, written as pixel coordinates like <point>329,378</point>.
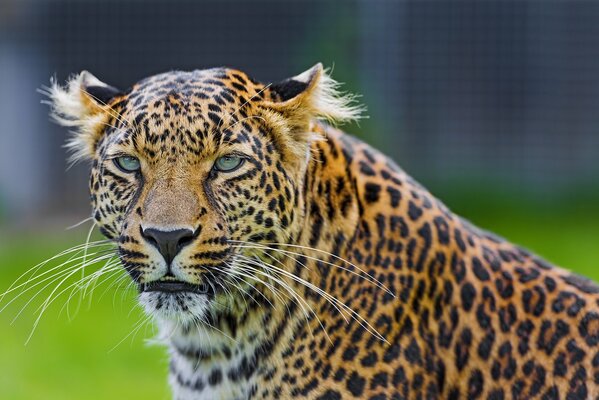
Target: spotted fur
<point>425,305</point>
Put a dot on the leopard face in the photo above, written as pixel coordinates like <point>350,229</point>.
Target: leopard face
<point>187,166</point>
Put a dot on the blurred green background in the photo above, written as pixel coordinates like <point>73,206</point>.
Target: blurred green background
<point>89,355</point>
<point>491,105</point>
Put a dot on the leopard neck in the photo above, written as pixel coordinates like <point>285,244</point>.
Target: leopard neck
<point>358,206</point>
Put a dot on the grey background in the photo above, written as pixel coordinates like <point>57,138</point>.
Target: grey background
<point>494,94</point>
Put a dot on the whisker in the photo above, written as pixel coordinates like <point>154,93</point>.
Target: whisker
<point>260,263</point>
<point>237,284</point>
<point>31,271</point>
<point>89,234</point>
<point>128,286</point>
<point>216,329</point>
<point>136,328</point>
<point>114,113</point>
<point>370,278</point>
<point>307,304</point>
<point>356,316</point>
<point>79,267</point>
<point>80,223</point>
<point>51,297</point>
<point>52,277</point>
<point>300,301</point>
<point>268,286</point>
<point>78,287</point>
<point>93,283</point>
<point>228,281</point>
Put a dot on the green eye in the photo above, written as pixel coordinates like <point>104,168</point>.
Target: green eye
<point>228,163</point>
<point>127,163</point>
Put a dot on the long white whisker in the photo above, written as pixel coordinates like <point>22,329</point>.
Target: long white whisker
<point>268,286</point>
<point>52,277</point>
<point>70,273</point>
<point>325,295</point>
<point>50,298</point>
<point>137,326</point>
<point>117,284</point>
<point>114,113</point>
<point>290,288</point>
<point>78,287</point>
<point>93,284</point>
<point>304,266</point>
<point>89,234</point>
<point>80,223</point>
<point>368,277</point>
<point>216,329</point>
<point>236,282</point>
<point>239,281</point>
<point>300,300</point>
<point>31,271</point>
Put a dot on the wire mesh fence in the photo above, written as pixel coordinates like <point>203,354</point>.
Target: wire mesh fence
<point>467,91</point>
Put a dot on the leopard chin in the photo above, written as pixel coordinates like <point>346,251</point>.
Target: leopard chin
<point>180,307</point>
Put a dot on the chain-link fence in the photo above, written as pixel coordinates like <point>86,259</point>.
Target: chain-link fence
<point>468,91</point>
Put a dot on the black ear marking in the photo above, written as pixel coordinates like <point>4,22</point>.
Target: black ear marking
<point>289,88</point>
<point>102,94</point>
<point>97,90</point>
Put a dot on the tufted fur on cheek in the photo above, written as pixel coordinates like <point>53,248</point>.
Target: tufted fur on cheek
<point>83,105</point>
<point>299,100</point>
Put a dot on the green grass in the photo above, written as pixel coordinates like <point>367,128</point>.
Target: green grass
<point>73,359</point>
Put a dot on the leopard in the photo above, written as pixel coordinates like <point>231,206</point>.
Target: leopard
<point>282,258</point>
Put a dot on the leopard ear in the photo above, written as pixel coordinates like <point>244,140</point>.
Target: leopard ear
<point>83,96</point>
<point>96,90</point>
<point>82,104</point>
<point>313,94</point>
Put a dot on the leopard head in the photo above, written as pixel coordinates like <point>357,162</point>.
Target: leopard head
<point>189,170</point>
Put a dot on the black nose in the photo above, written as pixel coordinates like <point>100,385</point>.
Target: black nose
<point>168,243</point>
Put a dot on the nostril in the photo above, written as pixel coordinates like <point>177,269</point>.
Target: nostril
<point>168,243</point>
<point>147,234</point>
<point>188,237</point>
<point>185,241</point>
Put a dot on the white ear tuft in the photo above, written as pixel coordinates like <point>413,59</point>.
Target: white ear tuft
<point>314,94</point>
<point>329,102</point>
<point>67,103</point>
<point>76,106</point>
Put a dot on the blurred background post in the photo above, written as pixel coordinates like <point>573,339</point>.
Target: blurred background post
<point>493,105</point>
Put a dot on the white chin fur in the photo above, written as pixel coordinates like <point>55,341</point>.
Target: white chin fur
<point>183,308</point>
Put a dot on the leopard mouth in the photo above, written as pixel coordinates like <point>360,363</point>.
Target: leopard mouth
<point>174,286</point>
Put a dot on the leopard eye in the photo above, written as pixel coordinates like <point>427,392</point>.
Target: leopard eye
<point>127,163</point>
<point>228,163</point>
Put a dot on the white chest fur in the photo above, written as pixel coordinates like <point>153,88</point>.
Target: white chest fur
<point>213,379</point>
<point>208,366</point>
